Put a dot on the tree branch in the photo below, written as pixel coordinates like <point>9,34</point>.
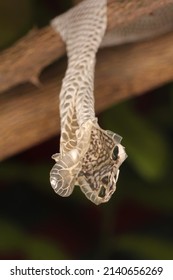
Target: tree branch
<point>30,115</point>
<point>25,60</point>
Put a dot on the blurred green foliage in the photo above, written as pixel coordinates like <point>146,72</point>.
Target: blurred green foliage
<point>148,246</point>
<point>16,17</point>
<point>146,146</point>
<point>13,238</point>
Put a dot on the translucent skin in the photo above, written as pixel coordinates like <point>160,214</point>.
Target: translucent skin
<point>87,157</point>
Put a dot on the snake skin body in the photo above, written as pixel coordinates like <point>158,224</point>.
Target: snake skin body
<point>90,156</point>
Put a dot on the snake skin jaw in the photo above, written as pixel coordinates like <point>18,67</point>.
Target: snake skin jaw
<point>68,164</point>
<point>64,172</point>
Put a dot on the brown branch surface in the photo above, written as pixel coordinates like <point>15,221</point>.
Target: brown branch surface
<point>26,59</point>
<point>30,115</point>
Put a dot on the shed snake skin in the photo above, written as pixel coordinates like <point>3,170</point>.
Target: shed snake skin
<point>89,156</point>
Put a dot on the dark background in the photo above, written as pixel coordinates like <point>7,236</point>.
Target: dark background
<point>136,223</point>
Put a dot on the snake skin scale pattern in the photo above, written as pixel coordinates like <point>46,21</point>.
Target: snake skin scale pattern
<point>89,156</point>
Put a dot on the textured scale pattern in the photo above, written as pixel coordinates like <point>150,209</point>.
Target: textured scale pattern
<point>104,152</point>
<point>149,25</point>
<point>87,153</point>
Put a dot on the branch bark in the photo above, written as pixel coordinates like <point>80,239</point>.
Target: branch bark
<point>30,115</point>
<point>25,60</point>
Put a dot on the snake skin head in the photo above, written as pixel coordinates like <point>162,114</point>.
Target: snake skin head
<point>100,165</point>
<point>93,164</point>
